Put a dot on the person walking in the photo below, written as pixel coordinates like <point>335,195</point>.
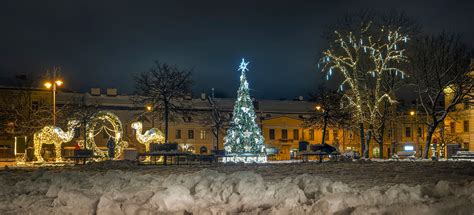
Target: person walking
<point>111,148</point>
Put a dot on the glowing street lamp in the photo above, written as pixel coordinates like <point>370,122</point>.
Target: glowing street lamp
<point>318,107</point>
<point>53,85</point>
<point>412,113</point>
<point>149,108</point>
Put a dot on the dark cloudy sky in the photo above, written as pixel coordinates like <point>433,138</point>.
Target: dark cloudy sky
<point>104,43</point>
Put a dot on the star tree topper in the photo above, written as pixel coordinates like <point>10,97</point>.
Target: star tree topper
<point>243,66</point>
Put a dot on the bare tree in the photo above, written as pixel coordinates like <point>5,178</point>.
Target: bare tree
<point>440,72</point>
<point>164,87</point>
<point>81,110</point>
<point>21,113</point>
<point>219,121</point>
<point>328,111</point>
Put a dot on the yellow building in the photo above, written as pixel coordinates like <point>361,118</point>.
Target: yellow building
<point>281,123</point>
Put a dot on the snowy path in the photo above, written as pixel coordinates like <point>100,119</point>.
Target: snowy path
<point>329,188</point>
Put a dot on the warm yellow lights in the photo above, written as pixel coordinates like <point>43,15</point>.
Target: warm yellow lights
<point>318,107</point>
<point>53,135</point>
<point>152,135</point>
<point>48,85</point>
<point>412,113</point>
<point>149,108</point>
<point>57,83</point>
<point>116,133</point>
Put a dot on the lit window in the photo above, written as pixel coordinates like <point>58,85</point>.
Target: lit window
<point>203,134</point>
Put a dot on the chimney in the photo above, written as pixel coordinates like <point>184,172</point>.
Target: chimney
<point>111,91</point>
<point>95,91</point>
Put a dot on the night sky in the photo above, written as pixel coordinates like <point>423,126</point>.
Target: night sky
<point>104,43</point>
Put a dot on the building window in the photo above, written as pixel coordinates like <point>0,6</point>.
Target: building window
<point>452,127</point>
<point>419,132</point>
<point>35,105</point>
<point>272,134</point>
<point>284,134</point>
<point>296,134</point>
<point>389,132</point>
<point>178,134</point>
<point>190,134</point>
<point>466,126</point>
<point>203,134</point>
<point>334,134</point>
<point>407,132</point>
<point>311,134</point>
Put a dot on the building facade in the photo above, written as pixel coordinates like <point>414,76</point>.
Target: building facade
<point>281,122</point>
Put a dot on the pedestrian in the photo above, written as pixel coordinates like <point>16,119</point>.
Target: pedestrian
<point>111,148</point>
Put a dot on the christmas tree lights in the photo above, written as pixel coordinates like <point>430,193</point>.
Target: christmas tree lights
<point>244,141</point>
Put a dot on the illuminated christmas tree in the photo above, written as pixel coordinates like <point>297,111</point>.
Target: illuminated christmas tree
<point>244,138</point>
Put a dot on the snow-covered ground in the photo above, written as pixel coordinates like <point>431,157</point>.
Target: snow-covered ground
<point>277,188</point>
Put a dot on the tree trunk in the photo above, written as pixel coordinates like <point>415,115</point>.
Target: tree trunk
<point>429,135</point>
<point>367,142</point>
<point>167,111</point>
<point>217,139</point>
<point>381,149</point>
<point>362,138</point>
<point>325,121</point>
<point>85,135</point>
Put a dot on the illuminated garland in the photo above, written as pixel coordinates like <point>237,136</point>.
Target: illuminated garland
<point>101,117</point>
<point>152,135</point>
<point>53,135</point>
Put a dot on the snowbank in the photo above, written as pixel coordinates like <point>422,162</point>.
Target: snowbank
<point>211,192</point>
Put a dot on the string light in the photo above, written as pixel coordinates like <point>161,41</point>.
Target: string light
<point>105,116</point>
<point>345,59</point>
<point>53,135</point>
<point>152,135</point>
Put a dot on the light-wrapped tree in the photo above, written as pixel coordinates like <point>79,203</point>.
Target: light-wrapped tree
<point>365,56</point>
<point>244,139</point>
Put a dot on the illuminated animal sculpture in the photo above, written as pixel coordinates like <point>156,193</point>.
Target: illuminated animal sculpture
<point>152,135</point>
<point>53,135</point>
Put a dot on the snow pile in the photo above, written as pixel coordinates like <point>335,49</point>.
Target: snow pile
<point>211,192</point>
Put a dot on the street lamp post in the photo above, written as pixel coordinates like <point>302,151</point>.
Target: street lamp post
<point>149,108</point>
<point>415,128</point>
<point>53,85</point>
